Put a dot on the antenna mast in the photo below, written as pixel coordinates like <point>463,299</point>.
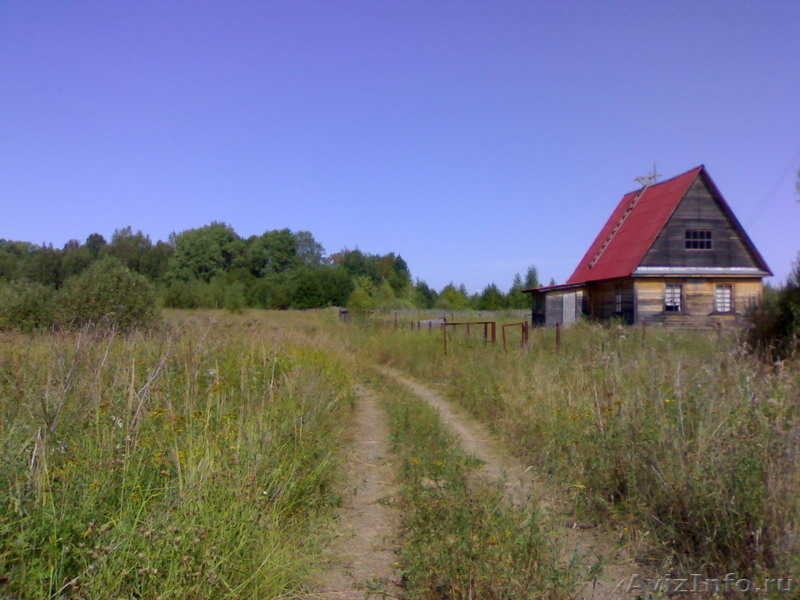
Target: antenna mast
<point>645,181</point>
<point>649,179</point>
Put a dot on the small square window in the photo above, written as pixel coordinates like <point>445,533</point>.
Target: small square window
<point>723,298</point>
<point>672,297</point>
<point>698,239</point>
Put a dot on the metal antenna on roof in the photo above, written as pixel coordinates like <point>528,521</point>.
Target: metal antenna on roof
<point>645,181</point>
<point>649,179</point>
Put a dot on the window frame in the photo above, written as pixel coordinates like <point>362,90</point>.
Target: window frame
<point>671,303</point>
<point>698,239</point>
<point>617,298</point>
<point>721,301</point>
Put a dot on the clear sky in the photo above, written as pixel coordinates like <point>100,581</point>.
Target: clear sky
<point>473,138</point>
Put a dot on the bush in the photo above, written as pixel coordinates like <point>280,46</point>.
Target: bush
<point>26,305</point>
<point>775,323</point>
<point>107,293</point>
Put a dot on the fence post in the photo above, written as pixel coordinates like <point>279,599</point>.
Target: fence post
<point>444,336</point>
<point>558,336</point>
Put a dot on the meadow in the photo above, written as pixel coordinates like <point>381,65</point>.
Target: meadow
<point>203,458</point>
<point>198,460</point>
<point>683,444</point>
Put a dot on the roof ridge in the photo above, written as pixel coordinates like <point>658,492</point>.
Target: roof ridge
<point>697,168</point>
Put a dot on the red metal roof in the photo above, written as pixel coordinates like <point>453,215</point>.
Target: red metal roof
<point>636,231</point>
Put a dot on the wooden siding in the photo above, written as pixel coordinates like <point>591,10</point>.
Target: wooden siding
<point>697,300</point>
<point>699,210</point>
<point>603,304</point>
<point>564,306</point>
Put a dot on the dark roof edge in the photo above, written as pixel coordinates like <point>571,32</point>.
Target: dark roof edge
<point>550,288</point>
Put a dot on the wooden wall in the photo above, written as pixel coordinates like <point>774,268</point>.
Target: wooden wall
<point>699,210</point>
<point>603,300</point>
<point>697,299</point>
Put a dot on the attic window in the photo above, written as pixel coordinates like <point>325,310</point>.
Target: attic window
<point>698,239</point>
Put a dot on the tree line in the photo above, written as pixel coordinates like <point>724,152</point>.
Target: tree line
<point>214,267</point>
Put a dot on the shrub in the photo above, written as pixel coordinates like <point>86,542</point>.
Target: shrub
<point>107,293</point>
<point>26,305</point>
<point>775,323</point>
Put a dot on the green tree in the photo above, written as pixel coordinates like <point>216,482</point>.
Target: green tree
<point>358,264</point>
<point>25,305</point>
<point>362,298</point>
<point>424,296</point>
<point>394,269</point>
<point>95,243</point>
<point>20,260</point>
<point>129,247</point>
<point>75,258</point>
<point>272,252</point>
<point>317,287</point>
<point>518,299</point>
<point>491,298</point>
<point>453,298</point>
<point>155,261</point>
<point>107,293</point>
<point>309,252</point>
<point>205,252</point>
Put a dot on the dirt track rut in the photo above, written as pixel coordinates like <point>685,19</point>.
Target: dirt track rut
<point>588,545</point>
<point>362,558</point>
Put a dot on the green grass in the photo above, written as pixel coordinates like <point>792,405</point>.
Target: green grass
<point>460,540</point>
<point>193,462</point>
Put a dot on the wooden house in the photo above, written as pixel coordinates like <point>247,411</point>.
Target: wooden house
<point>671,252</point>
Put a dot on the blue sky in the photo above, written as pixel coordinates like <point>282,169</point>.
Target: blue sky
<point>472,138</point>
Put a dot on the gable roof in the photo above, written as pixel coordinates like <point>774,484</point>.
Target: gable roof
<point>634,225</point>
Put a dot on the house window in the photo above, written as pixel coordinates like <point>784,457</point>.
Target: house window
<point>672,298</point>
<point>618,298</point>
<point>698,239</point>
<point>723,299</point>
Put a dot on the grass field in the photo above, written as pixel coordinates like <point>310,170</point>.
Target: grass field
<point>203,459</point>
<point>682,442</point>
<point>197,461</point>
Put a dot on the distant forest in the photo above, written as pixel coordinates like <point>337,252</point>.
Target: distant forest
<point>214,267</point>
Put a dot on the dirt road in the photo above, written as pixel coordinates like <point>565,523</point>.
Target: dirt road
<point>608,569</point>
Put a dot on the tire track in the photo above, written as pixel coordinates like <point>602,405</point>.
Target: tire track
<point>362,558</point>
<point>588,546</point>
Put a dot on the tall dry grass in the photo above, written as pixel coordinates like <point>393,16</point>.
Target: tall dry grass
<point>687,445</point>
<point>192,462</point>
